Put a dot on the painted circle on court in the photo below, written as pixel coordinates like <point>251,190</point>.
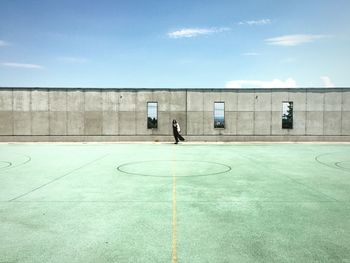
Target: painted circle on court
<point>337,160</point>
<point>169,168</point>
<point>4,164</point>
<point>12,160</point>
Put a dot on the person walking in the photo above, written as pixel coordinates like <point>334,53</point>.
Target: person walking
<point>176,132</point>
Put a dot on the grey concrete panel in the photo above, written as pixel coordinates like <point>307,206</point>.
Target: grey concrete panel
<point>298,97</point>
<point>195,122</point>
<point>75,100</point>
<point>230,123</point>
<point>345,123</point>
<point>276,124</point>
<point>245,100</point>
<point>314,123</point>
<point>332,123</point>
<point>142,97</point>
<point>93,122</point>
<point>141,123</point>
<point>75,123</point>
<point>332,101</point>
<point>262,123</point>
<point>231,100</point>
<point>110,123</point>
<point>262,100</point>
<point>40,123</point>
<point>22,123</point>
<point>58,123</point>
<point>127,101</point>
<point>5,100</point>
<point>6,123</point>
<point>164,124</point>
<point>40,100</point>
<point>110,100</point>
<point>314,100</point>
<point>21,100</point>
<point>209,98</point>
<point>245,123</point>
<point>57,100</point>
<point>127,124</point>
<point>299,123</point>
<point>177,100</point>
<point>277,98</point>
<point>346,100</point>
<point>195,101</point>
<point>93,100</point>
<point>208,123</point>
<point>163,99</point>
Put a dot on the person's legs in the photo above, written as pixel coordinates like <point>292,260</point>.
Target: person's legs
<point>176,139</point>
<point>181,138</point>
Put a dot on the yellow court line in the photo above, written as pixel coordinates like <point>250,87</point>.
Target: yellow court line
<point>174,258</point>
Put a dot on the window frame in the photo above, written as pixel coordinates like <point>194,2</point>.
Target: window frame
<point>147,107</point>
<point>292,122</point>
<point>220,128</point>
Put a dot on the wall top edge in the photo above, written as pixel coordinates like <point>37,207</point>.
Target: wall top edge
<point>177,89</point>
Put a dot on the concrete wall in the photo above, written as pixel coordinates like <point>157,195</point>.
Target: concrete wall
<point>118,114</point>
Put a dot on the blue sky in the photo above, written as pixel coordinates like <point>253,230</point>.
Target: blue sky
<point>175,44</point>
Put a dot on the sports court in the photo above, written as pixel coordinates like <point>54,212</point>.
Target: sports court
<point>159,202</point>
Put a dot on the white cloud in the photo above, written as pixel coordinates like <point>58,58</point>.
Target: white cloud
<point>293,40</point>
<point>194,32</point>
<point>72,59</point>
<point>275,83</point>
<point>327,82</point>
<point>255,22</point>
<point>3,43</point>
<point>21,65</point>
<point>250,54</point>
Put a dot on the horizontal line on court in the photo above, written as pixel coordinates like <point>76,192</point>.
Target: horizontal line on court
<point>170,201</point>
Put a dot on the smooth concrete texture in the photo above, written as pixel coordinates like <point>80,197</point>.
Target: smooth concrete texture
<point>245,123</point>
<point>238,202</point>
<point>315,100</point>
<point>195,101</point>
<point>58,123</point>
<point>75,122</point>
<point>195,125</point>
<point>75,101</point>
<point>6,123</point>
<point>314,123</point>
<point>6,100</point>
<point>58,100</point>
<point>93,122</point>
<point>39,100</point>
<point>245,100</point>
<point>21,100</point>
<point>40,123</point>
<point>332,123</point>
<point>127,124</point>
<point>22,124</point>
<point>110,123</point>
<point>262,122</point>
<point>93,101</point>
<point>123,112</point>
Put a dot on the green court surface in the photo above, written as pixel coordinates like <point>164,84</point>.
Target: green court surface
<point>174,203</point>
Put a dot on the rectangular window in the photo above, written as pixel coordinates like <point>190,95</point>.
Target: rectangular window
<point>152,115</point>
<point>287,115</point>
<point>219,114</point>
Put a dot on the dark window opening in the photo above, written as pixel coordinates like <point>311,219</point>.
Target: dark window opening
<point>287,115</point>
<point>152,115</point>
<point>219,114</point>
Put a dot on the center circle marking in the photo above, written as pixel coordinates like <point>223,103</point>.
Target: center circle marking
<point>168,168</point>
<point>4,164</point>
